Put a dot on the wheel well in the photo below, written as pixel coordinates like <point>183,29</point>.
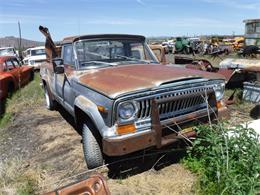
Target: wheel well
<point>82,118</point>
<point>10,87</point>
<point>31,75</point>
<point>44,82</point>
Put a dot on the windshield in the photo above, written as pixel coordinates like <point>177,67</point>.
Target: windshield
<point>6,51</point>
<point>112,52</point>
<point>38,52</point>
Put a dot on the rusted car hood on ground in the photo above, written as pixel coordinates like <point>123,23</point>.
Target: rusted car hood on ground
<point>115,81</point>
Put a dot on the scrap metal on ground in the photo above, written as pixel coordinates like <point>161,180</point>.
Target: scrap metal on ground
<point>94,185</point>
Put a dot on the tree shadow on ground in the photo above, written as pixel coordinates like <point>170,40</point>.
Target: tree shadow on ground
<point>255,112</point>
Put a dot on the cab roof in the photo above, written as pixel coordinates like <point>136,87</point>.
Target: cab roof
<point>102,36</point>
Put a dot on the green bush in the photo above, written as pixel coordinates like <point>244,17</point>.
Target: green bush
<point>227,160</point>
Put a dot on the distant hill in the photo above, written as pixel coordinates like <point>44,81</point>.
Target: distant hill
<point>12,41</point>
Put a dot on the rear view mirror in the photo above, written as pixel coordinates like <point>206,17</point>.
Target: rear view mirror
<point>59,69</point>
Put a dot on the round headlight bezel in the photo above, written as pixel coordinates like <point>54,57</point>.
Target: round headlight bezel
<point>127,106</point>
<point>219,89</point>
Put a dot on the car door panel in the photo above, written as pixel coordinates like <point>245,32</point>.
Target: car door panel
<point>14,72</point>
<point>63,81</point>
<point>69,95</point>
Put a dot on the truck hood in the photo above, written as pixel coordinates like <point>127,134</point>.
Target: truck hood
<point>39,57</point>
<point>119,80</point>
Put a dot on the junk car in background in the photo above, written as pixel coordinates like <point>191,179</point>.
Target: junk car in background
<point>13,75</point>
<point>35,57</point>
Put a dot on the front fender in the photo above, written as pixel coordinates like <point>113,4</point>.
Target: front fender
<point>91,110</point>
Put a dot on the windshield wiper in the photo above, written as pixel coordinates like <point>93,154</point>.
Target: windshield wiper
<point>97,63</point>
<point>134,59</point>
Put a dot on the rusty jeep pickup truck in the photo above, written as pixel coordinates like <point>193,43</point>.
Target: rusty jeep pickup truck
<point>121,98</point>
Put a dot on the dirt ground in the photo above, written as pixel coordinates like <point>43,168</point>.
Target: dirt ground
<point>47,141</point>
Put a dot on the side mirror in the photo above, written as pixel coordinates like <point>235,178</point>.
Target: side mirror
<point>59,69</point>
<point>57,61</point>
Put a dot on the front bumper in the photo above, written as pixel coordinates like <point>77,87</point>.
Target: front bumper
<point>154,137</point>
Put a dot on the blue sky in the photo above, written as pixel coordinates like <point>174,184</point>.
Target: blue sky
<point>145,17</point>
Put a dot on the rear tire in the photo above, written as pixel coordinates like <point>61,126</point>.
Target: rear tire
<point>10,89</point>
<point>50,104</point>
<point>91,148</point>
<point>31,76</point>
<point>186,50</point>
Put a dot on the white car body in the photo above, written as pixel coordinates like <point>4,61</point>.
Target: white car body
<point>8,51</point>
<point>35,56</point>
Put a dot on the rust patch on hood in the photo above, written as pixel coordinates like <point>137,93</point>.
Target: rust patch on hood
<point>114,81</point>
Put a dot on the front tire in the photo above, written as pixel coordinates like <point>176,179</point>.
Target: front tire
<point>31,76</point>
<point>186,50</point>
<point>50,104</point>
<point>91,148</point>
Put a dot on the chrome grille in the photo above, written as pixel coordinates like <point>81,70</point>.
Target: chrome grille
<point>172,108</point>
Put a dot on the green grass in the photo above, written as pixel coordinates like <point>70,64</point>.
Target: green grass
<point>226,160</point>
<point>27,97</point>
<point>16,179</point>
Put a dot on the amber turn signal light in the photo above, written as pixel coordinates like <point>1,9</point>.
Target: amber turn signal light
<point>101,109</point>
<point>124,129</point>
<point>220,104</point>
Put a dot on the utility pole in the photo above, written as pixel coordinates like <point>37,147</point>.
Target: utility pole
<point>20,41</point>
<point>20,51</point>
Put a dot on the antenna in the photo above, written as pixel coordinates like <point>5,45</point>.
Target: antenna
<point>79,25</point>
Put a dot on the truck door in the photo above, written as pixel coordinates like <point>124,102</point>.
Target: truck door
<point>14,71</point>
<point>63,81</point>
<point>23,76</point>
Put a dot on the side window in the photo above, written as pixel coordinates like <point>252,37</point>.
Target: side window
<point>16,63</point>
<point>9,65</point>
<point>68,55</point>
<point>158,54</point>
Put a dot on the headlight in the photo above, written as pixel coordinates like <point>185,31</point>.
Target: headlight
<point>31,62</point>
<point>219,90</point>
<point>126,110</point>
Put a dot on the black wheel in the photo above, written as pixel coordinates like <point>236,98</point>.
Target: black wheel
<point>226,51</point>
<point>91,147</point>
<point>10,89</point>
<point>50,103</point>
<point>31,76</point>
<point>186,50</point>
